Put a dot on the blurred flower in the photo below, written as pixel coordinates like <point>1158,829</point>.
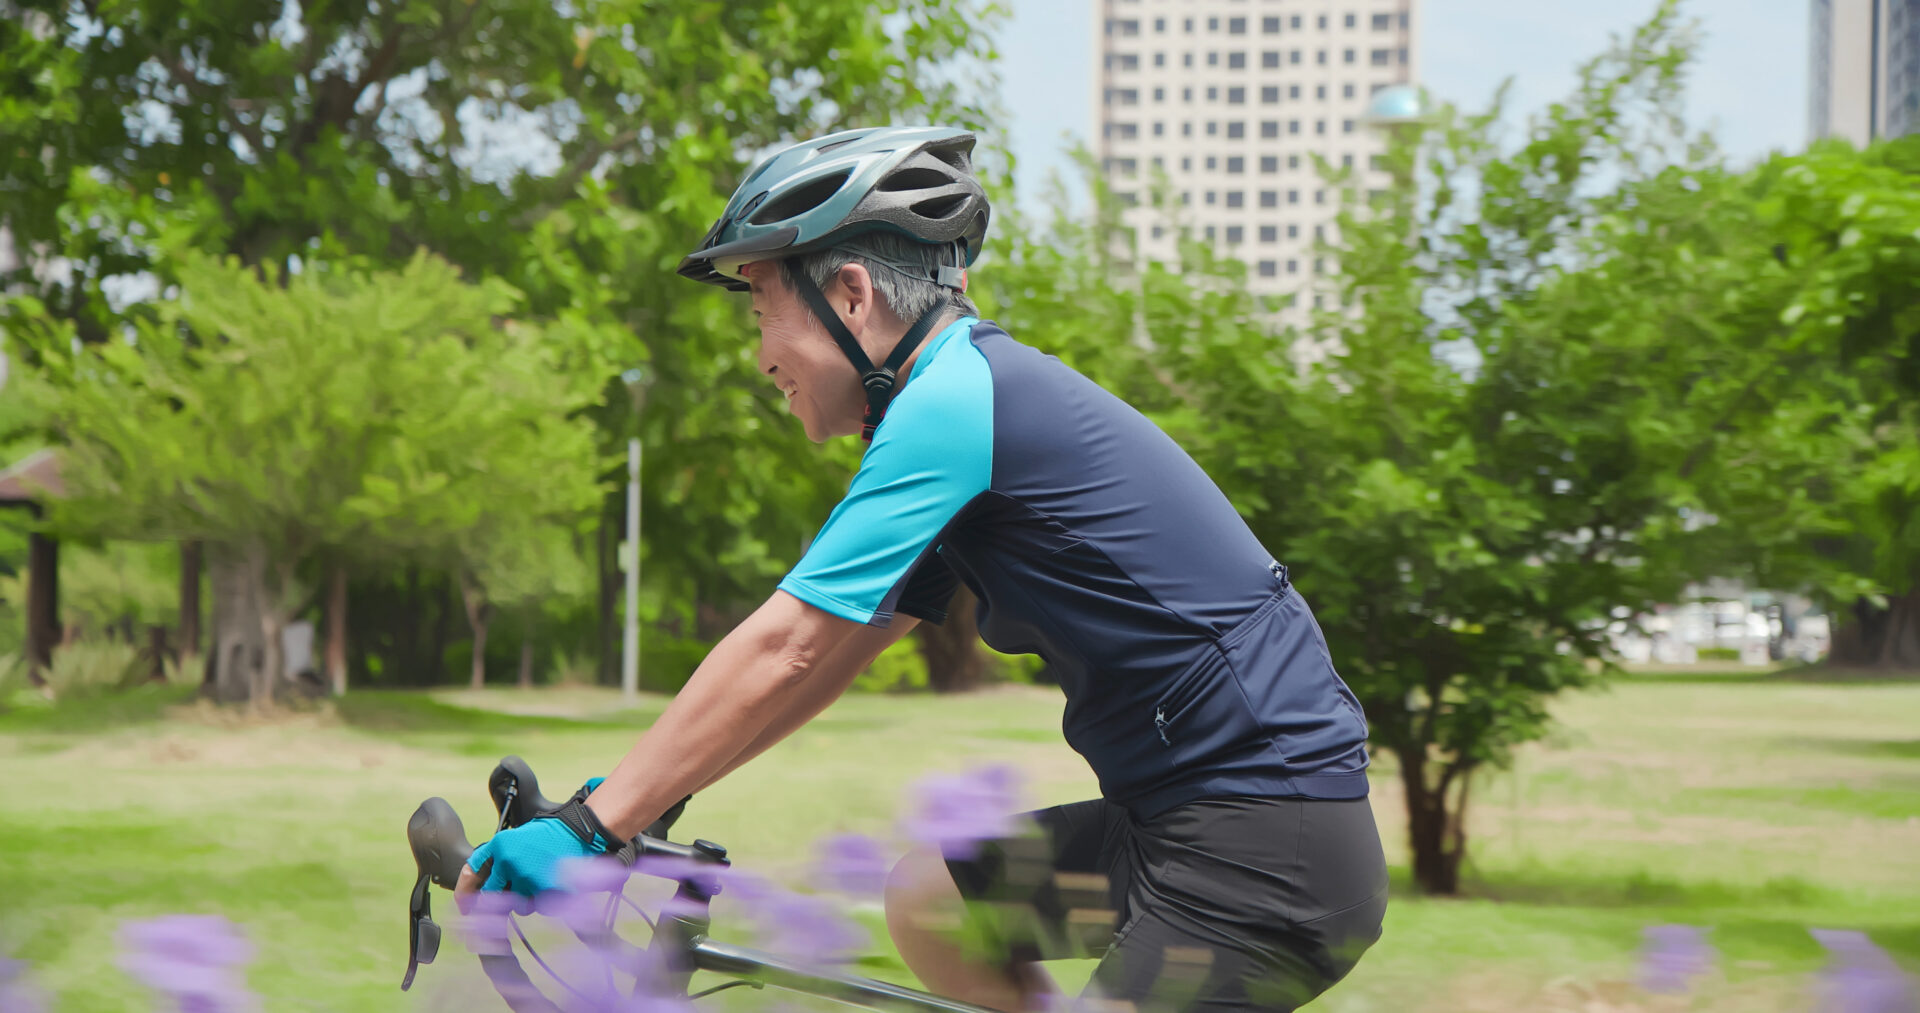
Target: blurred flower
<point>1671,955</point>
<point>850,863</point>
<point>598,874</point>
<point>196,960</point>
<point>17,994</point>
<point>957,811</point>
<point>1860,977</point>
<point>485,922</point>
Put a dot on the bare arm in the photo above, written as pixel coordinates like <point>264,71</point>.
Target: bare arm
<point>772,674</point>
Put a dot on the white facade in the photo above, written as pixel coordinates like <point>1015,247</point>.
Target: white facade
<point>1231,99</point>
<point>1863,69</point>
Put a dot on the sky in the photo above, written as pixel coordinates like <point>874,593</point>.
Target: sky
<point>1748,84</point>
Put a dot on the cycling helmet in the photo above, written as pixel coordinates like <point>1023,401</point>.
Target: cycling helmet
<point>914,181</point>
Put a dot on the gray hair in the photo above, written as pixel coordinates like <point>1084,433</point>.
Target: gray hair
<point>906,296</point>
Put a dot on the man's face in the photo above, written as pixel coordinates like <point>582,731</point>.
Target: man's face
<point>796,352</point>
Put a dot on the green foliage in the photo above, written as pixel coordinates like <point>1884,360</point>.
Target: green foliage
<point>901,668</point>
<point>1719,654</point>
<point>88,668</point>
<point>100,587</point>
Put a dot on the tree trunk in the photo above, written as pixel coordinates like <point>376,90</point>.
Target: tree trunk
<point>611,580</point>
<point>157,653</point>
<point>526,663</point>
<point>479,612</point>
<point>1885,638</point>
<point>245,663</point>
<point>952,650</point>
<point>1436,832</point>
<point>189,602</point>
<point>336,663</point>
<point>43,602</point>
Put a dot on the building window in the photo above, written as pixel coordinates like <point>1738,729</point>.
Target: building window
<point>1159,59</point>
<point>1403,21</point>
<point>1186,196</point>
<point>1236,163</point>
<point>1186,129</point>
<point>1293,92</point>
<point>1186,59</point>
<point>1128,27</point>
<point>1213,24</point>
<point>1159,128</point>
<point>1270,59</point>
<point>1123,96</point>
<point>1123,131</point>
<point>1236,96</point>
<point>1319,301</point>
<point>1320,57</point>
<point>1123,166</point>
<point>1209,232</point>
<point>1293,266</point>
<point>1270,94</point>
<point>1347,55</point>
<point>1127,199</point>
<point>1383,22</point>
<point>1319,197</point>
<point>1293,57</point>
<point>1353,21</point>
<point>1293,196</point>
<point>1293,232</point>
<point>1268,269</point>
<point>1186,94</point>
<point>1296,23</point>
<point>1159,231</point>
<point>1236,61</point>
<point>1236,234</point>
<point>1270,26</point>
<point>1269,234</point>
<point>1380,57</point>
<point>1269,163</point>
<point>1320,92</point>
<point>1346,126</point>
<point>1210,197</point>
<point>1346,90</point>
<point>1293,161</point>
<point>1236,198</point>
<point>1236,130</point>
<point>1158,162</point>
<point>1189,29</point>
<point>1212,163</point>
<point>1320,127</point>
<point>1123,61</point>
<point>1270,129</point>
<point>1160,24</point>
<point>1213,128</point>
<point>1319,265</point>
<point>1213,59</point>
<point>1159,94</point>
<point>1293,126</point>
<point>1213,93</point>
<point>1236,26</point>
<point>1269,198</point>
<point>1186,163</point>
<point>1346,161</point>
<point>1402,53</point>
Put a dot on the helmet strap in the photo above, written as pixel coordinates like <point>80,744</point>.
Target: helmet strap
<point>879,381</point>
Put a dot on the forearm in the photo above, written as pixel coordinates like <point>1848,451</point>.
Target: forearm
<point>816,694</point>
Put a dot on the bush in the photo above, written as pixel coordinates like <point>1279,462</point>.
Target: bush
<point>94,667</point>
<point>1719,654</point>
<point>899,669</point>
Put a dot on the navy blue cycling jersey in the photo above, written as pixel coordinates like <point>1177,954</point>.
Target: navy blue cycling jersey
<point>1192,668</point>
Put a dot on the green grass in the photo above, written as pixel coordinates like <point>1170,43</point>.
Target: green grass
<point>1753,808</point>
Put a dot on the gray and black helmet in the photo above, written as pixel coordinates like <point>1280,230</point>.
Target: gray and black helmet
<point>916,182</point>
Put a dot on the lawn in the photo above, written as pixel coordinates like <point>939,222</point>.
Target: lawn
<point>1755,809</point>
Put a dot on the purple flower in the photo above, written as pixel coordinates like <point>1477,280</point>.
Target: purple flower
<point>851,863</point>
<point>598,874</point>
<point>957,811</point>
<point>486,921</point>
<point>17,994</point>
<point>196,960</point>
<point>1672,955</point>
<point>1860,977</point>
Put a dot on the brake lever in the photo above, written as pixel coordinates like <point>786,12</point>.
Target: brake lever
<point>440,851</point>
<point>423,933</point>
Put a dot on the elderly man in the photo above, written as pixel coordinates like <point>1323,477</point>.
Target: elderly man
<point>1233,840</point>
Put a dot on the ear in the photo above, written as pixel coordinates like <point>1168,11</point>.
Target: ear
<point>855,299</point>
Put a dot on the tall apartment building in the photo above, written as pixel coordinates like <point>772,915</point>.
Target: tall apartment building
<point>1864,69</point>
<point>1231,99</point>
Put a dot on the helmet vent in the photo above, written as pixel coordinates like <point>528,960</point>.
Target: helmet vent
<point>938,208</point>
<point>802,199</point>
<point>915,178</point>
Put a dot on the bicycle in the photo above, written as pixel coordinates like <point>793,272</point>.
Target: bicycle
<point>679,946</point>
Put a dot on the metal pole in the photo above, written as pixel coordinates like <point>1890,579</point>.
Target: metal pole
<point>630,640</point>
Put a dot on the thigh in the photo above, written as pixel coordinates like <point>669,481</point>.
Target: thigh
<point>1246,904</point>
<point>1056,892</point>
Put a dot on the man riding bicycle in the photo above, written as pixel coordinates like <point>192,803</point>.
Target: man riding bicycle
<point>1233,833</point>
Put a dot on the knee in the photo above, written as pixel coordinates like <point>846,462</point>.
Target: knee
<point>919,880</point>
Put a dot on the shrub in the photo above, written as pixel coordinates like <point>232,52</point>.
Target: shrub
<point>1719,654</point>
<point>93,667</point>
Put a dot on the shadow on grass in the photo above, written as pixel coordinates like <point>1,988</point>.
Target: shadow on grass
<point>140,705</point>
<point>1820,675</point>
<point>415,711</point>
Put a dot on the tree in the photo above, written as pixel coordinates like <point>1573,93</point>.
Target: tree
<point>316,132</point>
<point>335,418</point>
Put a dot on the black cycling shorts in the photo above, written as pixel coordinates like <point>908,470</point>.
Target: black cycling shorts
<point>1220,904</point>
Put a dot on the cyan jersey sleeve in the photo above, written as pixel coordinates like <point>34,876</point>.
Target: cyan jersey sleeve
<point>930,457</point>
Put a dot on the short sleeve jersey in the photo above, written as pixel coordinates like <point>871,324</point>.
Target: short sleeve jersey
<point>1191,665</point>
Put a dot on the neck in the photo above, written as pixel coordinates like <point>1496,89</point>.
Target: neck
<point>940,323</point>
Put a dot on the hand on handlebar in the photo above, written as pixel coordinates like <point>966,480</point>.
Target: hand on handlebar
<point>525,859</point>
